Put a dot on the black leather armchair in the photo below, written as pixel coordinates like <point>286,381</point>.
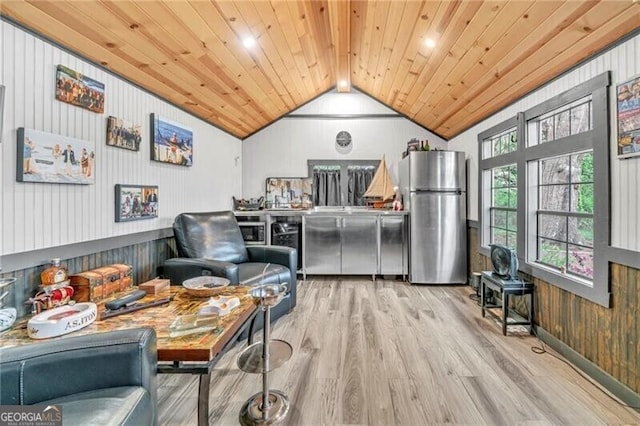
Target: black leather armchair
<point>212,244</point>
<point>105,378</point>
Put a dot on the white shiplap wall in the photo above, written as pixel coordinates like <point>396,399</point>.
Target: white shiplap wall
<point>283,148</point>
<point>36,216</point>
<point>624,63</point>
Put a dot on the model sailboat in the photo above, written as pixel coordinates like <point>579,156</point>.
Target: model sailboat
<point>381,189</point>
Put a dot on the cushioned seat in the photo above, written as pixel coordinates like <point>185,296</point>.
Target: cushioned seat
<point>124,405</point>
<point>98,379</point>
<point>211,244</point>
<point>251,273</point>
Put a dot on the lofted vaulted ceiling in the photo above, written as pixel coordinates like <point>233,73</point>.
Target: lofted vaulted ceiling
<point>487,54</point>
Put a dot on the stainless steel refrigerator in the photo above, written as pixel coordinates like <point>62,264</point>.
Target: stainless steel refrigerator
<point>433,186</point>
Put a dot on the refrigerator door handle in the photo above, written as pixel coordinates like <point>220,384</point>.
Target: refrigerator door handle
<point>440,190</point>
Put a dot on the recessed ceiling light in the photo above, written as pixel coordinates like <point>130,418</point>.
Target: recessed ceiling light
<point>249,42</point>
<point>430,43</point>
<point>343,83</point>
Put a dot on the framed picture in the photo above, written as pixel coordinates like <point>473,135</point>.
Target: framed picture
<point>136,202</point>
<point>77,89</point>
<point>171,142</point>
<point>288,192</point>
<point>122,134</point>
<point>628,105</point>
<point>48,158</point>
<point>1,110</point>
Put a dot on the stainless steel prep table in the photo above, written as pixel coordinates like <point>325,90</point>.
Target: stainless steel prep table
<point>346,240</point>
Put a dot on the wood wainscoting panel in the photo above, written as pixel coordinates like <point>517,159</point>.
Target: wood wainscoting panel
<point>477,262</point>
<point>143,257</point>
<point>608,337</point>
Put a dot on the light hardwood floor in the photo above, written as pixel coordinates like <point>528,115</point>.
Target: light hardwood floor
<point>386,353</point>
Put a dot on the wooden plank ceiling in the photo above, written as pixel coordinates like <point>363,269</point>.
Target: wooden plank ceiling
<point>487,53</point>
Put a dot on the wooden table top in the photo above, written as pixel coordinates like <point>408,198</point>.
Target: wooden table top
<point>194,347</point>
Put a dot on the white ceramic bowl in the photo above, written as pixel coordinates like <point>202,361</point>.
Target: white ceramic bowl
<point>206,286</point>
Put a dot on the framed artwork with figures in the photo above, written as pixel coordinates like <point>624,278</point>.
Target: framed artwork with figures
<point>49,158</point>
<point>171,142</point>
<point>123,134</point>
<point>628,114</point>
<point>77,89</point>
<point>136,202</point>
<point>1,110</point>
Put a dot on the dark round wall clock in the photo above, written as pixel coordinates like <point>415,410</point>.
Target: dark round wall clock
<point>343,139</point>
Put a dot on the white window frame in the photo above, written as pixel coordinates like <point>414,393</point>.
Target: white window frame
<point>487,163</point>
<point>597,139</point>
<point>535,212</point>
<point>493,209</point>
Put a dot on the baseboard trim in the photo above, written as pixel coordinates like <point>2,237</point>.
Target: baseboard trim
<point>620,390</point>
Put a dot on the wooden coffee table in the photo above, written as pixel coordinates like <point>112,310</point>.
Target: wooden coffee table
<point>190,354</point>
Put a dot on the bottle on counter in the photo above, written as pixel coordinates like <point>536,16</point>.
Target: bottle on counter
<point>397,200</point>
<point>56,273</point>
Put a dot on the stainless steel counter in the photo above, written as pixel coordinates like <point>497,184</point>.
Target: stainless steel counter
<point>344,240</point>
<point>331,211</point>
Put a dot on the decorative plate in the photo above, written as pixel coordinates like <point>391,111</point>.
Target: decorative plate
<point>205,286</point>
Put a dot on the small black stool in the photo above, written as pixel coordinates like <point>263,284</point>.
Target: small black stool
<point>506,288</point>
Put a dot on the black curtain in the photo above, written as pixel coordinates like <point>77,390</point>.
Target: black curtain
<point>359,180</point>
<point>326,184</point>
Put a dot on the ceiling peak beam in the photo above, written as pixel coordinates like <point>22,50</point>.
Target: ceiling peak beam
<point>339,17</point>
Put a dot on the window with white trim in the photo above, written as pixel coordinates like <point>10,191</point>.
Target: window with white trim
<point>561,191</point>
<point>502,143</point>
<point>557,172</point>
<point>499,183</point>
<point>564,222</point>
<point>571,119</point>
<point>503,208</point>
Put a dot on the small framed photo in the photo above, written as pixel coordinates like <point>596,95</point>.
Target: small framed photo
<point>1,109</point>
<point>171,142</point>
<point>136,202</point>
<point>77,89</point>
<point>123,134</point>
<point>50,158</point>
<point>628,106</point>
